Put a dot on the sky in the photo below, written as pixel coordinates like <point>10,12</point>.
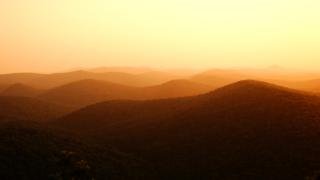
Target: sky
<point>47,36</point>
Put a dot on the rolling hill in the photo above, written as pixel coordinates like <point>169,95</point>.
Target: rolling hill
<point>48,81</point>
<point>59,79</point>
<point>18,78</point>
<point>246,130</point>
<point>175,88</point>
<point>24,108</point>
<point>86,92</point>
<point>292,79</point>
<point>21,90</point>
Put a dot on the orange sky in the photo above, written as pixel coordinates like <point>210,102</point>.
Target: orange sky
<point>47,35</point>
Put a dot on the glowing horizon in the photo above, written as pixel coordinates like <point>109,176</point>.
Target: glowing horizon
<point>39,35</point>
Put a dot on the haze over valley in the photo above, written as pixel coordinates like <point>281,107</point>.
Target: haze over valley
<point>159,90</point>
<point>215,124</point>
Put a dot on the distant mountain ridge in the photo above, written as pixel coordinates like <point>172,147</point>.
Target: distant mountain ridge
<point>48,81</point>
<point>21,90</point>
<point>246,130</point>
<point>86,92</point>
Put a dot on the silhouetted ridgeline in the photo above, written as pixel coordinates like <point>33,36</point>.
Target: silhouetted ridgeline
<point>21,90</point>
<point>245,130</point>
<point>86,92</point>
<point>47,81</point>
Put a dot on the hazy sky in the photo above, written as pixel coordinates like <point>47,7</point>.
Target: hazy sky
<point>50,35</point>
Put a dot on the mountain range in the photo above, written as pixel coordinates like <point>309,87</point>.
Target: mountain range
<point>21,90</point>
<point>246,130</point>
<point>179,129</point>
<point>48,81</point>
<point>85,92</point>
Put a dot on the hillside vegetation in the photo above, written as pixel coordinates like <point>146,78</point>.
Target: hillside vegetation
<point>246,130</point>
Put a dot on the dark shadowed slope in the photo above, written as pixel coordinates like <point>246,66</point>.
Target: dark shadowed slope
<point>85,92</point>
<point>24,108</point>
<point>21,90</point>
<point>31,151</point>
<point>246,130</point>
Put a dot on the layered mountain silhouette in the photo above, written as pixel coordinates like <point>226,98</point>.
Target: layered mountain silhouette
<point>25,108</point>
<point>246,130</point>
<point>59,79</point>
<point>297,80</point>
<point>18,78</point>
<point>48,81</point>
<point>142,77</point>
<point>21,90</point>
<point>86,92</point>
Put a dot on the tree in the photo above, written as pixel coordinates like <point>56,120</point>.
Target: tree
<point>71,167</point>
